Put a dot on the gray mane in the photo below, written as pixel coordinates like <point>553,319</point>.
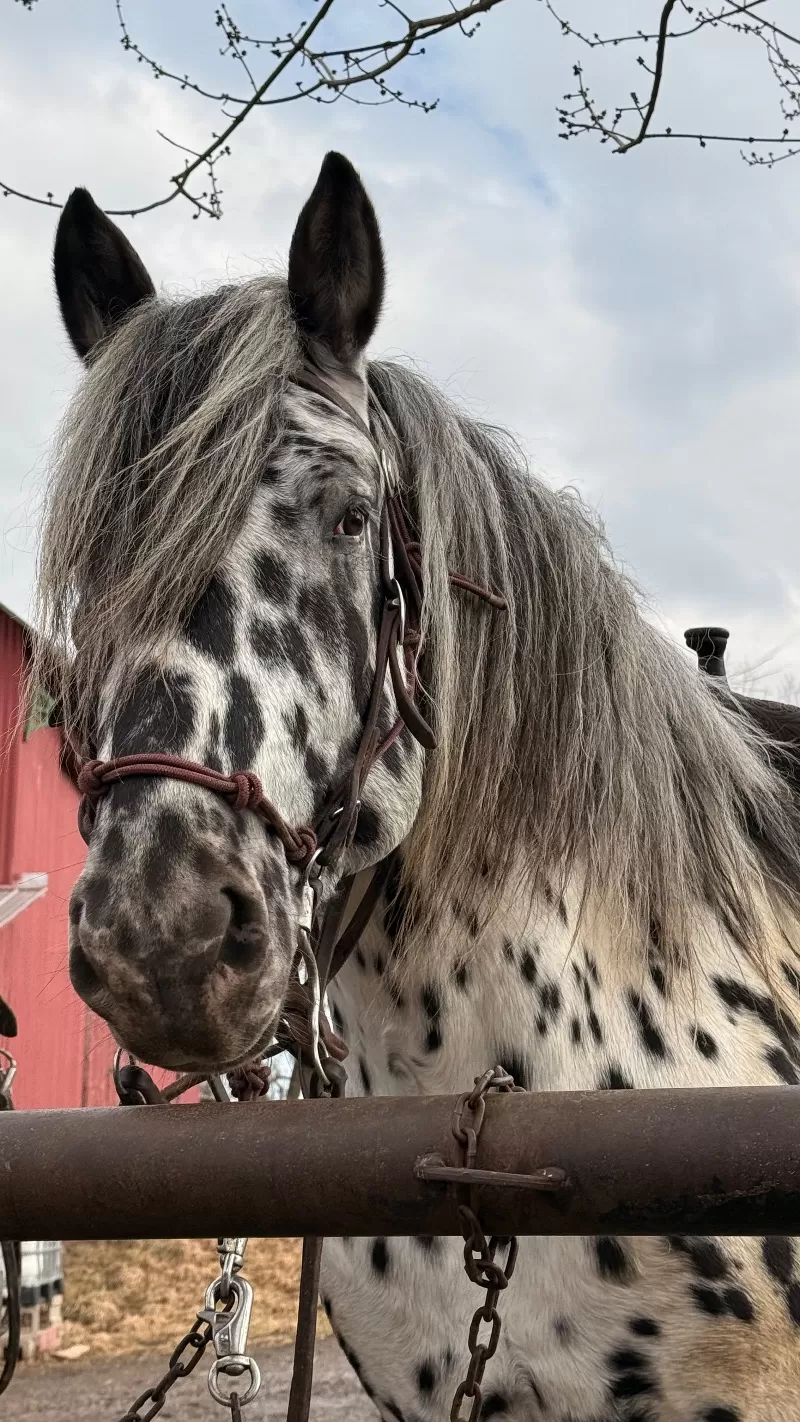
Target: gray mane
<point>572,736</point>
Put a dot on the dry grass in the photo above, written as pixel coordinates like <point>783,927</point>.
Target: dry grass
<point>136,1295</point>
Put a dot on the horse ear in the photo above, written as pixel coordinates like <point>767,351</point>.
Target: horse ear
<point>98,275</point>
<point>336,272</point>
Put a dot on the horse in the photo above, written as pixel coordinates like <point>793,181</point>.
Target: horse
<point>591,867</point>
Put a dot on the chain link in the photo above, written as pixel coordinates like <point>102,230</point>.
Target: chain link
<point>198,1339</point>
<point>480,1255</point>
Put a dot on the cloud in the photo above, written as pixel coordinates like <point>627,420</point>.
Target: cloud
<point>635,320</point>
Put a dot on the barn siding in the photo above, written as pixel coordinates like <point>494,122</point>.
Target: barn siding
<point>64,1051</point>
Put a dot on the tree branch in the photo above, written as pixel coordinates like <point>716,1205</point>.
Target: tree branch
<point>365,64</point>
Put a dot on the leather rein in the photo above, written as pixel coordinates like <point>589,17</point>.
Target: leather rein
<point>323,947</point>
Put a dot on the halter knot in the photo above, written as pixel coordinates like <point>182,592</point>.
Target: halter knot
<point>249,793</point>
<point>306,844</point>
<point>90,780</point>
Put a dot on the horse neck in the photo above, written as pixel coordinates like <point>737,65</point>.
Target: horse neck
<point>564,1001</point>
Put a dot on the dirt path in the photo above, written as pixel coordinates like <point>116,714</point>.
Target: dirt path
<point>101,1390</point>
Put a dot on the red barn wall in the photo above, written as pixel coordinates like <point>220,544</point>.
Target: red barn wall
<point>63,1050</point>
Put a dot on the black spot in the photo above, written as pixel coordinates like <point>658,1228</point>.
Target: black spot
<point>562,913</point>
<point>633,1385</point>
<point>550,998</point>
<point>575,1030</point>
<point>243,729</point>
<point>272,577</point>
<point>658,980</point>
<point>648,1031</point>
<point>429,1243</point>
<point>212,627</point>
<point>508,950</point>
<point>793,1301</point>
<point>493,1403</point>
<point>515,1065</point>
<point>612,1260</point>
<point>792,977</point>
<point>426,1377</point>
<point>317,610</point>
<point>527,964</point>
<point>614,1079</point>
<point>432,1008</point>
<point>706,1258</point>
<point>591,964</point>
<point>720,1414</point>
<point>361,959</point>
<point>704,1043</point>
<point>326,1304</point>
<point>595,1028</point>
<point>541,1025</point>
<point>740,1305</point>
<point>563,1330</point>
<point>379,1256</point>
<point>158,715</point>
<point>283,645</point>
<point>626,1358</point>
<point>645,1327</point>
<point>778,1254</point>
<point>782,1065</point>
<point>741,998</point>
<point>709,1300</point>
<point>368,827</point>
<point>365,1076</point>
<point>297,726</point>
<point>462,976</point>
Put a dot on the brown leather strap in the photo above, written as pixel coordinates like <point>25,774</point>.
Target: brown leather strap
<point>349,939</point>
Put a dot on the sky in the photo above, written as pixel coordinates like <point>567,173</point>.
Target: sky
<point>634,320</point>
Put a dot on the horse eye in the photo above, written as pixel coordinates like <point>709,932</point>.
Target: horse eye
<point>352,525</point>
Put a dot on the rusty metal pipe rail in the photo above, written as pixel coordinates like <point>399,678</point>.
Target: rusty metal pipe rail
<point>637,1162</point>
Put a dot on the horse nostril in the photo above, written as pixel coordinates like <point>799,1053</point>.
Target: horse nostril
<point>82,975</point>
<point>244,942</point>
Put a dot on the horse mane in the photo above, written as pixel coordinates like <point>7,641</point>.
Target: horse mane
<point>155,466</point>
<point>572,735</point>
<point>574,738</point>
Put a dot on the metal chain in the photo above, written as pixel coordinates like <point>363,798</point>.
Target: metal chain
<point>480,1261</point>
<point>157,1396</point>
<point>226,1328</point>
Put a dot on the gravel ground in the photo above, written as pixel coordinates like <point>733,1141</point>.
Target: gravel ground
<point>102,1389</point>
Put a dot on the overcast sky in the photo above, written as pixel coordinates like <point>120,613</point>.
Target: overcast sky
<point>635,320</point>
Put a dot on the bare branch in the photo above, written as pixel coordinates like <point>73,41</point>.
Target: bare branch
<point>335,74</point>
<point>630,124</point>
<point>363,73</point>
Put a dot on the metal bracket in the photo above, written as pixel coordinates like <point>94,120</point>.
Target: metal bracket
<point>433,1170</point>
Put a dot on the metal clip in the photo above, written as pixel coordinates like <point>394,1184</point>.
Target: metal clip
<point>230,1328</point>
<point>231,1259</point>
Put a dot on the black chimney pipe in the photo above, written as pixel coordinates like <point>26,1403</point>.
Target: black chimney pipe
<point>709,643</point>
